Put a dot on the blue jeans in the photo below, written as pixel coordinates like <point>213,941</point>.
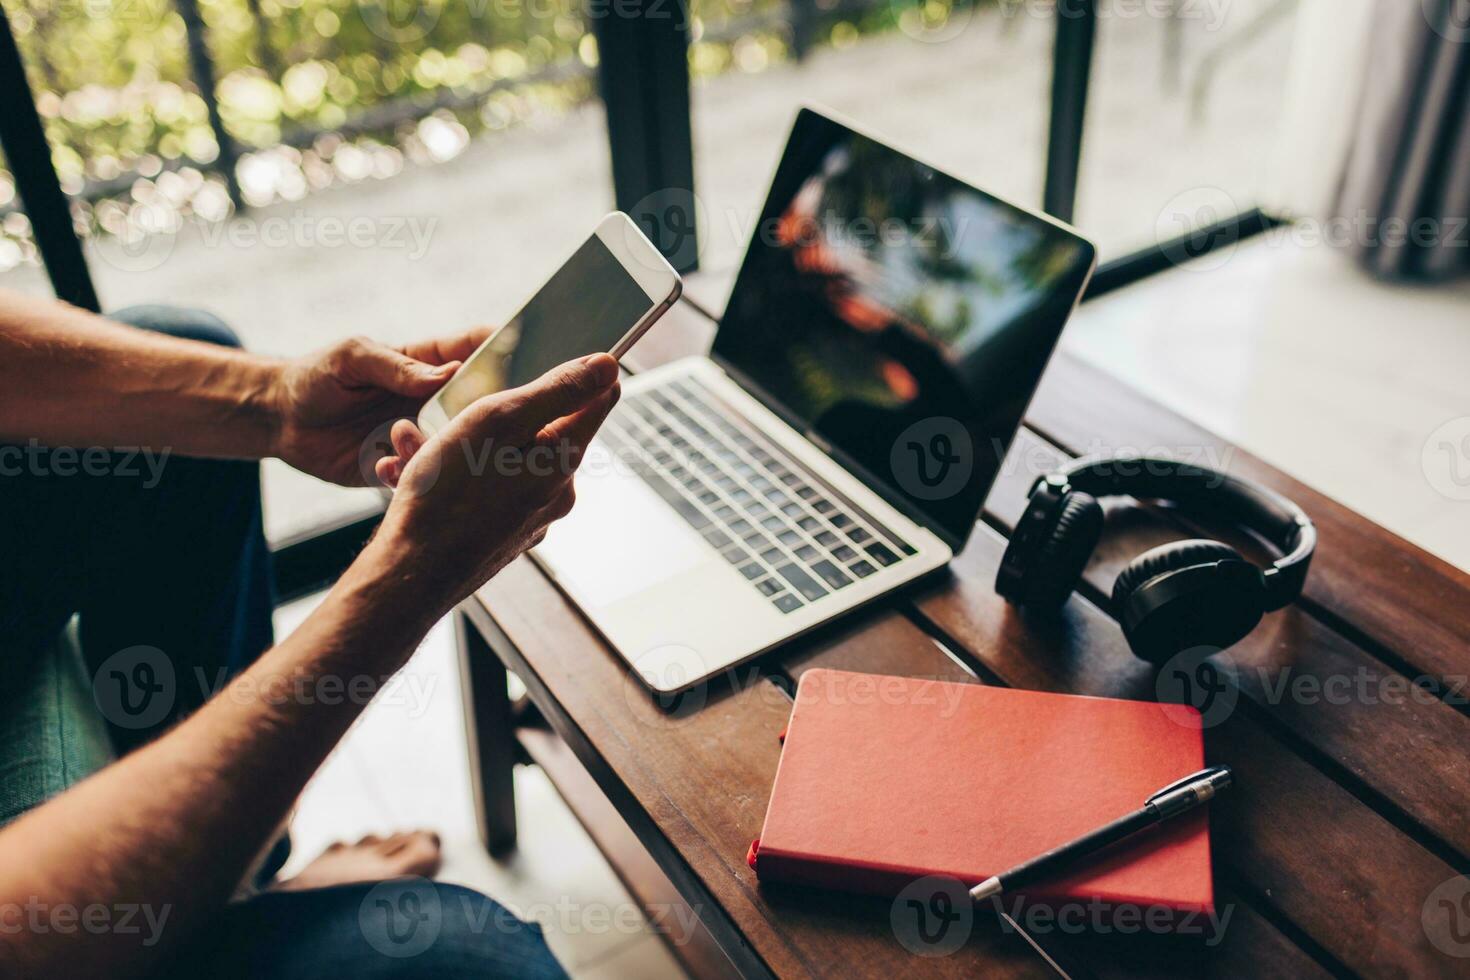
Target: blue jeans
<point>151,549</point>
<point>401,929</point>
<point>169,553</point>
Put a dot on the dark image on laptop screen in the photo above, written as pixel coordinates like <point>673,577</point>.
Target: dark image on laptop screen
<point>902,316</point>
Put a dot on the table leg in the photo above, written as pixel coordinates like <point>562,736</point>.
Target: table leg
<point>490,732</point>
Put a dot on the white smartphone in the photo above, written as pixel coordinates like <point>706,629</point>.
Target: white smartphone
<point>613,288</point>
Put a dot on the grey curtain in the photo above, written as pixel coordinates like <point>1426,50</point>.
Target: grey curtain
<point>1406,188</point>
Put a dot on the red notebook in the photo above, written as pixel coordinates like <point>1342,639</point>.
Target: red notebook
<point>886,779</point>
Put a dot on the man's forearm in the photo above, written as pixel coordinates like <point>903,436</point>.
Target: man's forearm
<point>174,826</point>
<point>69,377</point>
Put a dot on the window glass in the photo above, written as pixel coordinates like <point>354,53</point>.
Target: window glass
<point>20,263</point>
<point>964,85</point>
<point>1182,112</point>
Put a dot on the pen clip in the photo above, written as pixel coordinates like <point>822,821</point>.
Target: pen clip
<point>1186,781</point>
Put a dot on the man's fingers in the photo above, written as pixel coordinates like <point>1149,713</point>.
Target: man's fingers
<point>441,350</point>
<point>561,504</point>
<point>367,362</point>
<point>558,506</point>
<point>388,470</point>
<point>575,431</point>
<point>562,391</point>
<point>407,439</point>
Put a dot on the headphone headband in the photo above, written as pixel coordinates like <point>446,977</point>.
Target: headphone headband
<point>1277,519</point>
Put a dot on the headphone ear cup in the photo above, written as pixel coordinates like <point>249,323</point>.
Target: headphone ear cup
<point>1167,558</point>
<point>1187,594</point>
<point>1064,552</point>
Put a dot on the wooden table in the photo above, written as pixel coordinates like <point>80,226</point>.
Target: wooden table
<point>1339,852</point>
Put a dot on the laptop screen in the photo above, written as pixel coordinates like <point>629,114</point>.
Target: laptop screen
<point>903,318</point>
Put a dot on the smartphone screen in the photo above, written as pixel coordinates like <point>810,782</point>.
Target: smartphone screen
<point>585,308</point>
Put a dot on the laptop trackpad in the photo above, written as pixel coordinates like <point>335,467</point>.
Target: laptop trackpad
<point>619,539</point>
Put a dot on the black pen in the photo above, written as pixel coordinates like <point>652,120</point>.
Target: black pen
<point>1172,800</point>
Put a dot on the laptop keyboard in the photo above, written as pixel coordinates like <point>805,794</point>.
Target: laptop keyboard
<point>793,540</point>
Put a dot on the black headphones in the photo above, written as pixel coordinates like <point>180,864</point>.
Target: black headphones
<point>1174,597</point>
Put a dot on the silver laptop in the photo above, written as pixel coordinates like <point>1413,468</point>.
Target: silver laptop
<point>886,331</point>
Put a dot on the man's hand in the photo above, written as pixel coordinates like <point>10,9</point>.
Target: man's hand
<point>331,402</point>
<point>230,772</point>
<point>484,489</point>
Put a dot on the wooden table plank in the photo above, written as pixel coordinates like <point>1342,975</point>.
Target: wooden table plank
<point>1402,601</point>
<point>702,781</point>
<point>1388,738</point>
<point>1337,870</point>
